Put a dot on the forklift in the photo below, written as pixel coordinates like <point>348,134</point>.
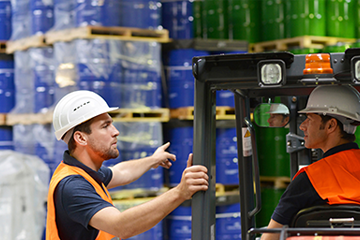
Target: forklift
<point>254,76</point>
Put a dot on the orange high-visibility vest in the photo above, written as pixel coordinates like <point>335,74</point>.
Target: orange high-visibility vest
<point>336,177</point>
<point>62,171</point>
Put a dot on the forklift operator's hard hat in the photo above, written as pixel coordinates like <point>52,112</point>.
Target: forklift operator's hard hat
<point>278,108</point>
<point>75,108</point>
<point>341,102</point>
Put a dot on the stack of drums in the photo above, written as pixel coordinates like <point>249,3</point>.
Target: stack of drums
<point>180,78</point>
<point>141,84</point>
<point>42,16</point>
<point>97,70</point>
<point>274,162</point>
<point>7,99</point>
<point>44,83</point>
<point>182,18</point>
<point>227,171</point>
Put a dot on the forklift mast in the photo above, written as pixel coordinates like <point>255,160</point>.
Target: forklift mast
<point>244,75</point>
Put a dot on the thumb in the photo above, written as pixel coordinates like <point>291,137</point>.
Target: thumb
<point>190,160</point>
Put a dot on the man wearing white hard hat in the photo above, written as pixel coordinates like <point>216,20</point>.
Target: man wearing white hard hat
<point>79,204</point>
<point>332,112</point>
<point>279,115</point>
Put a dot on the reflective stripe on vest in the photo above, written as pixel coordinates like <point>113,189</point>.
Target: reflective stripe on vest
<point>62,171</point>
<point>337,177</point>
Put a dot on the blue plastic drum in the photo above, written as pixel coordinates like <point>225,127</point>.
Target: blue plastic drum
<point>180,78</point>
<point>97,13</point>
<point>7,85</point>
<point>178,18</point>
<point>141,14</point>
<point>6,138</point>
<point>227,171</point>
<point>181,140</point>
<point>228,222</point>
<point>179,223</point>
<point>5,20</point>
<point>42,16</point>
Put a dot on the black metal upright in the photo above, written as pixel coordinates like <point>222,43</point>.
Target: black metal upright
<point>246,183</point>
<point>203,203</point>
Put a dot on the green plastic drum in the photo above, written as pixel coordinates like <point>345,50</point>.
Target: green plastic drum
<point>271,149</point>
<point>273,19</point>
<point>244,20</point>
<point>197,8</point>
<point>340,15</point>
<point>305,17</point>
<point>215,21</point>
<point>339,47</point>
<point>269,199</point>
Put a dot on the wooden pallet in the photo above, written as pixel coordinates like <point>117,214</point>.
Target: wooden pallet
<point>25,43</point>
<point>2,119</point>
<point>28,118</point>
<point>136,193</point>
<point>276,182</point>
<point>316,42</point>
<point>226,190</point>
<point>3,46</point>
<point>187,113</point>
<point>120,33</point>
<point>140,115</point>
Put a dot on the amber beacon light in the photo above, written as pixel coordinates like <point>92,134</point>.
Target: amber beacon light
<point>318,64</point>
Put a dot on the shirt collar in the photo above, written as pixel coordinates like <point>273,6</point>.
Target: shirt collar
<point>343,147</point>
<point>98,176</point>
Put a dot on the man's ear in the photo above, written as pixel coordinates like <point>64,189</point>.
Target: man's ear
<point>80,138</point>
<point>332,124</point>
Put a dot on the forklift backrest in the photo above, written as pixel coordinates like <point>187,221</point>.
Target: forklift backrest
<point>344,215</point>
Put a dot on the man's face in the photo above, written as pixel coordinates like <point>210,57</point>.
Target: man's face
<point>277,120</point>
<point>314,133</point>
<point>103,138</point>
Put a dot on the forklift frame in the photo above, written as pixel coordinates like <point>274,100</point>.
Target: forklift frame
<point>239,73</point>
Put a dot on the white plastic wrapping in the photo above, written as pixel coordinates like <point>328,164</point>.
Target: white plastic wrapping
<point>126,74</point>
<point>23,191</point>
<point>34,80</point>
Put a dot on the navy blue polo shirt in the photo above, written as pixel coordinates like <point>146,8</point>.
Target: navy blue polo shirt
<point>76,202</point>
<point>301,194</point>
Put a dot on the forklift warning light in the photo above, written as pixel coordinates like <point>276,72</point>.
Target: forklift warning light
<point>318,64</point>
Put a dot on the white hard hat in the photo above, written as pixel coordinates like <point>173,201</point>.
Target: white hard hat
<point>75,108</point>
<point>341,102</point>
<point>278,108</point>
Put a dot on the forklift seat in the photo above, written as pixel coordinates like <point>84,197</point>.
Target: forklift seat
<point>344,215</point>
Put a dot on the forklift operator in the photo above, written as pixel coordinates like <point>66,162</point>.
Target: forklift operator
<point>332,112</point>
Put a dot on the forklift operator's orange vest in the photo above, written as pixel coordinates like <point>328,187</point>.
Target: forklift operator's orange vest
<point>337,177</point>
<point>62,171</point>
